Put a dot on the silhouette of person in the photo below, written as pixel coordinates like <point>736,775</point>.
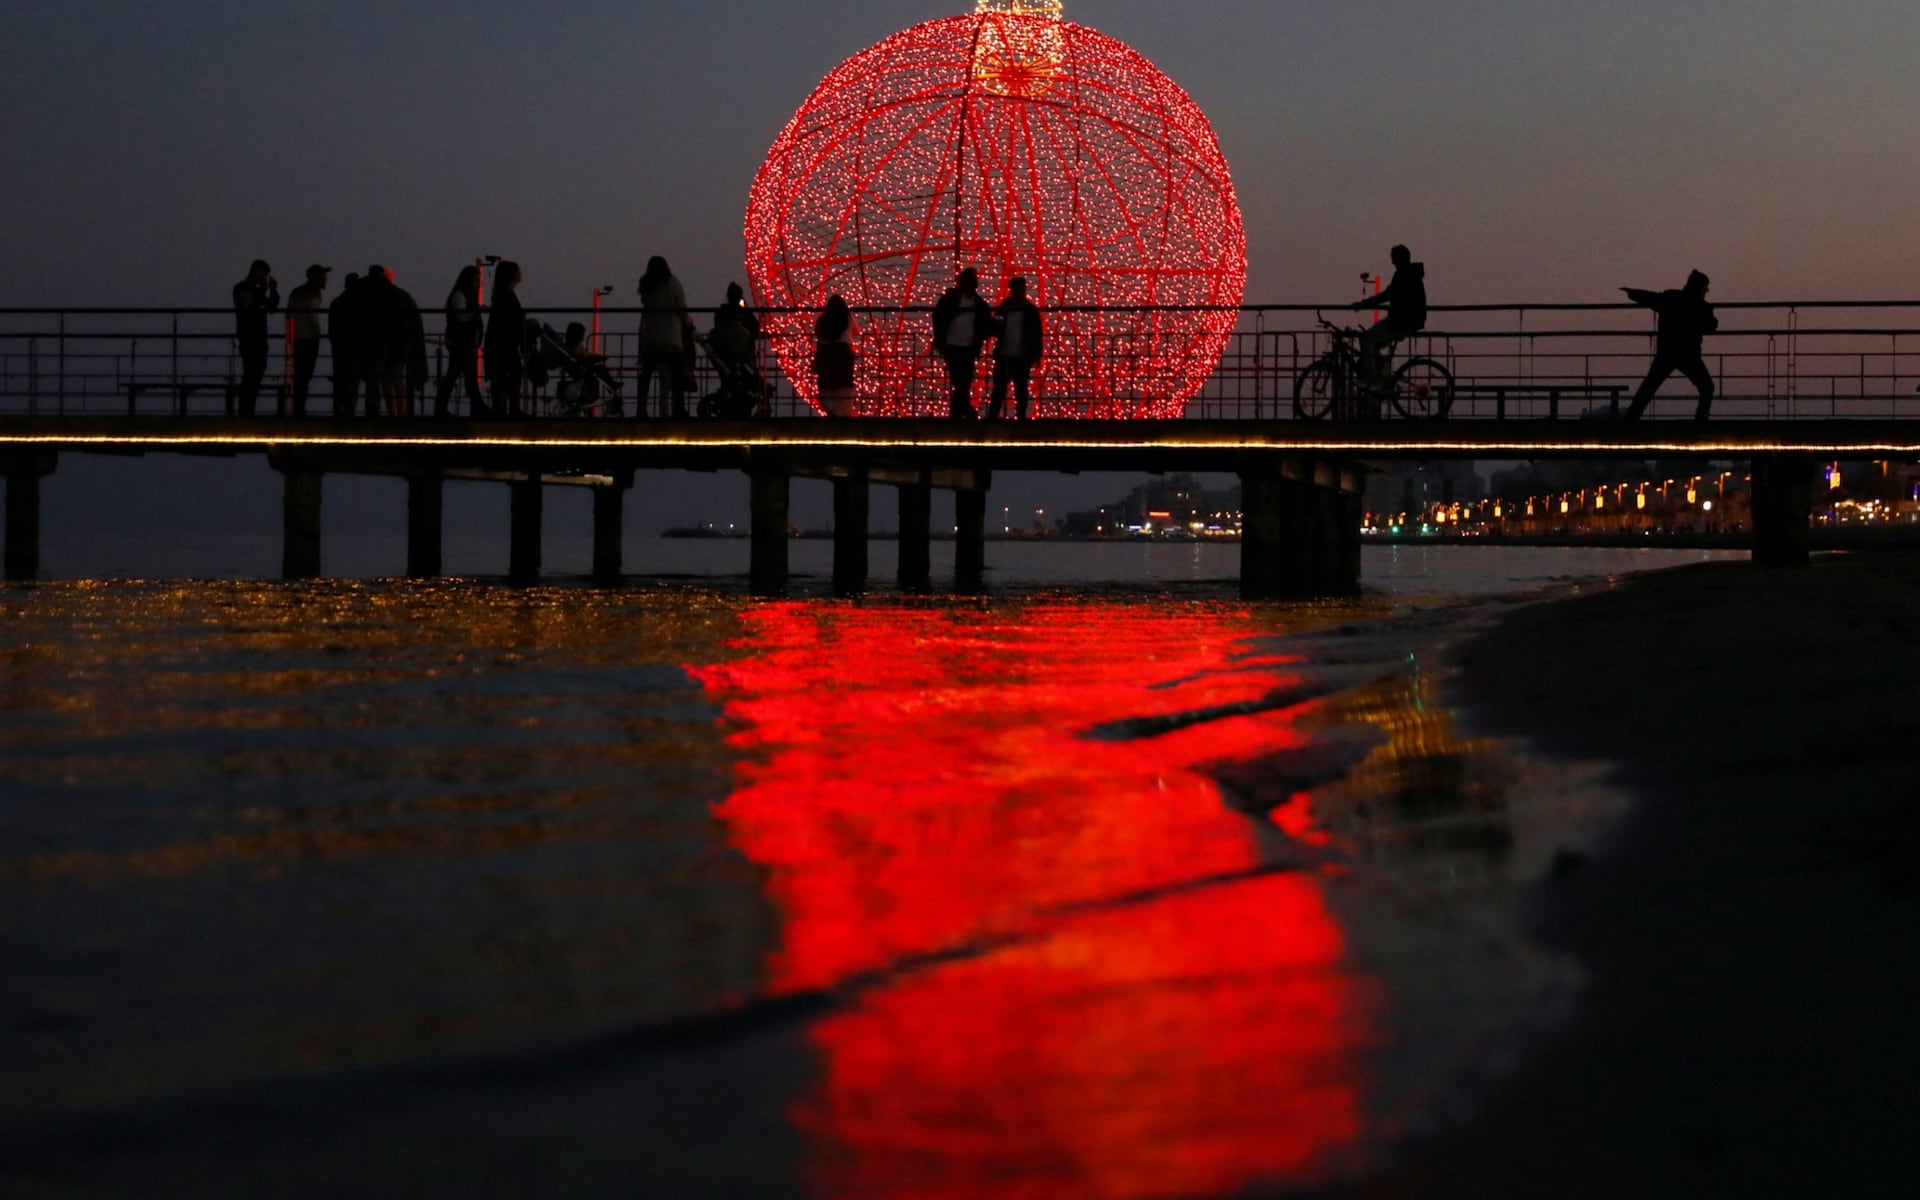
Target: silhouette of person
<point>345,337</point>
<point>735,327</point>
<point>833,357</point>
<point>961,325</point>
<point>253,298</point>
<point>396,341</point>
<point>307,315</point>
<point>666,332</point>
<point>462,343</point>
<point>506,339</point>
<point>1405,300</point>
<point>1685,320</point>
<point>1019,332</point>
<point>734,343</point>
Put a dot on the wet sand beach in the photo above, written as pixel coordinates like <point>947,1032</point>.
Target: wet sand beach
<point>1747,929</point>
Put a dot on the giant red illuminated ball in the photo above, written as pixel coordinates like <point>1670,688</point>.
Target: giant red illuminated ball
<point>1019,145</point>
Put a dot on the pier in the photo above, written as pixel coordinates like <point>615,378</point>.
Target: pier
<point>1301,481</point>
<point>1529,382</point>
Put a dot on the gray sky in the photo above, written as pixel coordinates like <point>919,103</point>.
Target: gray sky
<point>1536,150</point>
<point>1527,151</point>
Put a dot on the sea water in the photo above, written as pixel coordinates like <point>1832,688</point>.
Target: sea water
<point>1103,883</point>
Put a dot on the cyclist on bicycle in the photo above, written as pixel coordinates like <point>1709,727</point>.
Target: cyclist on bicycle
<point>1405,300</point>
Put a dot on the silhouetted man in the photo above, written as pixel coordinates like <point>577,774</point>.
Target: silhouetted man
<point>346,333</point>
<point>396,350</point>
<point>1017,347</point>
<point>253,298</point>
<point>961,324</point>
<point>1405,300</point>
<point>307,314</point>
<point>1685,320</point>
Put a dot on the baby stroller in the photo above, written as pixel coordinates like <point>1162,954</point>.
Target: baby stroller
<point>742,394</point>
<point>581,378</point>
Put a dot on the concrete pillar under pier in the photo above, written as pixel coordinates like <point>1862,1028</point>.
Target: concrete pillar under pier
<point>1265,569</point>
<point>24,471</point>
<point>1300,529</point>
<point>523,552</point>
<point>425,517</point>
<point>1350,510</point>
<point>1782,510</point>
<point>970,536</point>
<point>851,527</point>
<point>609,511</point>
<point>767,572</point>
<point>916,535</point>
<point>300,521</point>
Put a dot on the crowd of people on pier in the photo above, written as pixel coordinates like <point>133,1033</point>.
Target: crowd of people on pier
<point>497,358</point>
<point>494,355</point>
<point>378,342</point>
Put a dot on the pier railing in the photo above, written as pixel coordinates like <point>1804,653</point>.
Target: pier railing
<point>1776,360</point>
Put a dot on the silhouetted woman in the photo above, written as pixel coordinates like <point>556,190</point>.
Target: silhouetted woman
<point>666,334</point>
<point>506,337</point>
<point>833,357</point>
<point>462,343</point>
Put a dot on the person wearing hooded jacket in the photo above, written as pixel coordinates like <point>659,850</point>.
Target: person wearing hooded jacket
<point>1685,320</point>
<point>1405,299</point>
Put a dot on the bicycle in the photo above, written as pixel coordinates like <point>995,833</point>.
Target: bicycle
<point>1421,388</point>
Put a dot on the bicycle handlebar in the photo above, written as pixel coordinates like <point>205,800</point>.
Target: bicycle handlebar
<point>1351,331</point>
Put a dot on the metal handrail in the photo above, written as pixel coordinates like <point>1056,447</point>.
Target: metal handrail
<point>101,359</point>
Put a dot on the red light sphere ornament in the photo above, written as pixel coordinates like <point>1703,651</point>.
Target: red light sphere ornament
<point>1017,143</point>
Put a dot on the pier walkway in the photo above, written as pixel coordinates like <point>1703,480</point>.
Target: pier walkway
<point>1532,382</point>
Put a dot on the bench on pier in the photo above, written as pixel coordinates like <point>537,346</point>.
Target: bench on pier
<point>183,389</point>
<point>1550,391</point>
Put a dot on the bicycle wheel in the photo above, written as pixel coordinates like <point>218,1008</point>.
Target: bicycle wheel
<point>1422,388</point>
<point>1315,390</point>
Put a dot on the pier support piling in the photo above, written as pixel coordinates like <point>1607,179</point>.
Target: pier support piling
<point>970,537</point>
<point>425,517</point>
<point>523,552</point>
<point>1300,529</point>
<point>1350,513</point>
<point>24,472</point>
<point>609,512</point>
<point>1782,500</point>
<point>300,521</point>
<point>767,570</point>
<point>1263,534</point>
<point>851,528</point>
<point>916,535</point>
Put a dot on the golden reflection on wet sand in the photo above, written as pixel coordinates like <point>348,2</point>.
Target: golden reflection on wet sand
<point>317,826</point>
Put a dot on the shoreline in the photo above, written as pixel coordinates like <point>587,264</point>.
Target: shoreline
<point>1746,1027</point>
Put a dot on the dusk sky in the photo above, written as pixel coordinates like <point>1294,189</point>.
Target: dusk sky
<point>1527,151</point>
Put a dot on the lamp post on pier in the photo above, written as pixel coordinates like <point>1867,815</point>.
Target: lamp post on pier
<point>605,289</point>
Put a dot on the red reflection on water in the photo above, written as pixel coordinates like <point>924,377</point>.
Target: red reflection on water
<point>1076,973</point>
